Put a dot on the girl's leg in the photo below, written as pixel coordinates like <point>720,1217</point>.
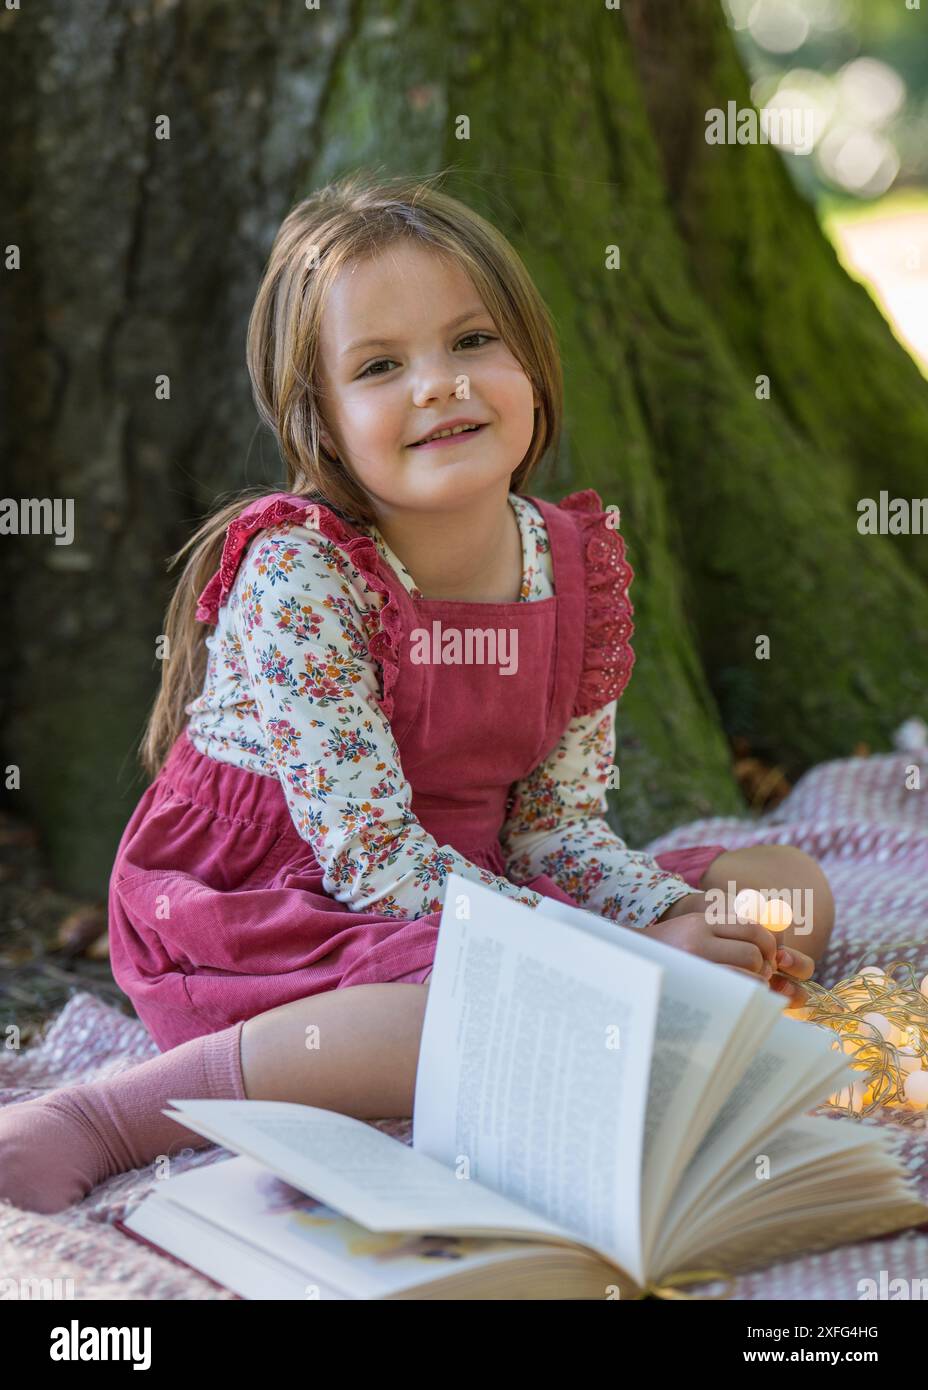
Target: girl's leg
<point>354,1049</point>
<point>790,871</point>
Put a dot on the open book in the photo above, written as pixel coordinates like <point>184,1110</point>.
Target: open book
<point>595,1111</point>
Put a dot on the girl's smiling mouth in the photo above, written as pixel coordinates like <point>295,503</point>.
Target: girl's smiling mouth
<point>466,432</point>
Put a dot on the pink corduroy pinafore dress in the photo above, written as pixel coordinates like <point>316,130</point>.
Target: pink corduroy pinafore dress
<point>217,910</point>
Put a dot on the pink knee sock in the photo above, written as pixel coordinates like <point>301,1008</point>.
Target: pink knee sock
<point>55,1148</point>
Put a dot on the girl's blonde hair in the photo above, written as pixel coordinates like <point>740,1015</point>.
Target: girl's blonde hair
<point>356,217</point>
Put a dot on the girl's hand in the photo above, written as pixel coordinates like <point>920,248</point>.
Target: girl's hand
<point>741,945</point>
<point>792,965</point>
<point>745,946</point>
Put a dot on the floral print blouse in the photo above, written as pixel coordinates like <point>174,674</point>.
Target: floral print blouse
<point>291,692</point>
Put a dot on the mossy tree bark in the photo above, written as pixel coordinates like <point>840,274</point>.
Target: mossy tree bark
<point>585,130</point>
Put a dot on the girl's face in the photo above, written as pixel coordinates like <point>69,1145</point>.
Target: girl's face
<point>437,356</point>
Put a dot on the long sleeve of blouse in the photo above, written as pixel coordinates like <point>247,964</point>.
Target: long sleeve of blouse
<point>557,827</point>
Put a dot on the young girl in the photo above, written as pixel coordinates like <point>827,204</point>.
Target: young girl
<point>399,667</point>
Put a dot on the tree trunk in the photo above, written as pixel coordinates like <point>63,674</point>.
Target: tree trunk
<point>141,256</point>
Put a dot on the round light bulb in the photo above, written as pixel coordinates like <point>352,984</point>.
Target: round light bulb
<point>747,904</point>
<point>773,913</point>
<point>880,1023</point>
<point>863,983</point>
<point>916,1088</point>
<point>776,914</point>
<point>851,1097</point>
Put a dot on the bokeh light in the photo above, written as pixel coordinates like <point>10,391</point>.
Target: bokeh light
<point>857,71</point>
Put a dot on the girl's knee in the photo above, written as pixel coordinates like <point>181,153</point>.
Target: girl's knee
<point>785,869</point>
<point>789,869</point>
<point>807,873</point>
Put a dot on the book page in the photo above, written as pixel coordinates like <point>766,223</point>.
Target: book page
<point>796,1069</point>
<point>809,1165</point>
<point>710,1025</point>
<point>535,1065</point>
<point>268,1216</point>
<point>370,1177</point>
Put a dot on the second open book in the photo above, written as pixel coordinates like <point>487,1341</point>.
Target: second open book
<point>582,1084</point>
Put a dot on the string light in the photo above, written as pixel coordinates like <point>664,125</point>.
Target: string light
<point>880,1016</point>
<point>773,913</point>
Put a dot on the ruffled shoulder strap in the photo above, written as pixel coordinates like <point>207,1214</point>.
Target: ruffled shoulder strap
<point>274,509</point>
<point>608,657</point>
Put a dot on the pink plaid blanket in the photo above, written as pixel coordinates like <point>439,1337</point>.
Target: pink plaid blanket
<point>855,815</point>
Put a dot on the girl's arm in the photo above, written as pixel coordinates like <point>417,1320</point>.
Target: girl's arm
<point>302,616</point>
<point>557,827</point>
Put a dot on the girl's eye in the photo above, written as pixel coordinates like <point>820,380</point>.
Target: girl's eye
<point>489,337</point>
<point>369,370</point>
